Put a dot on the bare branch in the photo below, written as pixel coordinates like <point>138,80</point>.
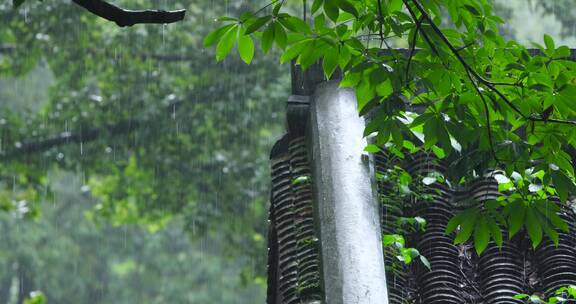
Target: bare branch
<point>65,138</point>
<point>124,17</point>
<point>7,48</point>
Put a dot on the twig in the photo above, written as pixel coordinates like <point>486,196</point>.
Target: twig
<point>466,45</point>
<point>487,111</point>
<point>558,121</point>
<point>381,20</point>
<point>428,40</point>
<point>470,283</point>
<point>413,47</point>
<point>454,51</point>
<point>469,73</point>
<point>265,7</point>
<point>124,17</point>
<point>480,79</point>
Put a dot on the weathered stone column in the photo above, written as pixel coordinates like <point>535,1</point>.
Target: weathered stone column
<point>345,194</point>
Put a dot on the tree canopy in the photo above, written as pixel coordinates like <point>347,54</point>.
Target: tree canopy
<point>460,90</point>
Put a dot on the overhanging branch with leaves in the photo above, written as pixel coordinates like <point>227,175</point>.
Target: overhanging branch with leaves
<point>485,102</point>
<point>123,17</point>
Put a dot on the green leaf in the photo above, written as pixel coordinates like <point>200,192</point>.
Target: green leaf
<point>364,93</point>
<point>550,211</point>
<point>533,227</point>
<point>516,219</point>
<point>294,24</point>
<point>472,9</point>
<point>350,80</point>
<point>563,184</point>
<point>257,24</point>
<point>36,297</point>
<point>316,5</point>
<point>293,51</point>
<point>280,35</point>
<point>331,10</point>
<point>466,228</point>
<point>268,38</point>
<point>385,89</point>
<point>430,132</point>
<point>552,234</point>
<point>454,223</point>
<point>213,37</point>
<point>393,239</point>
<point>226,43</point>
<point>277,8</point>
<point>304,179</point>
<point>421,222</point>
<point>439,152</point>
<point>481,235</point>
<point>562,52</point>
<point>422,118</point>
<point>371,148</point>
<point>549,42</point>
<point>408,254</point>
<point>246,48</point>
<point>495,231</point>
<point>348,7</point>
<point>330,62</point>
<point>425,261</point>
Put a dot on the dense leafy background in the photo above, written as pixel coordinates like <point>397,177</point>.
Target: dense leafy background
<point>181,151</point>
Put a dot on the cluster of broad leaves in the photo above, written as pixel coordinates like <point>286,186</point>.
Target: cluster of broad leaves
<point>404,254</point>
<point>563,295</point>
<point>459,89</point>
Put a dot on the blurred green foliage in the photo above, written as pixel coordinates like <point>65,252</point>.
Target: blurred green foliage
<point>160,136</point>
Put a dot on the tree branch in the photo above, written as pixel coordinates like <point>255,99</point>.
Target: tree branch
<point>64,138</point>
<point>413,47</point>
<point>7,48</point>
<point>424,35</point>
<point>83,136</point>
<point>487,113</point>
<point>124,17</point>
<point>469,69</point>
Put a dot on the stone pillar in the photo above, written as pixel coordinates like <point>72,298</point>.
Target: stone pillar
<point>345,196</point>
